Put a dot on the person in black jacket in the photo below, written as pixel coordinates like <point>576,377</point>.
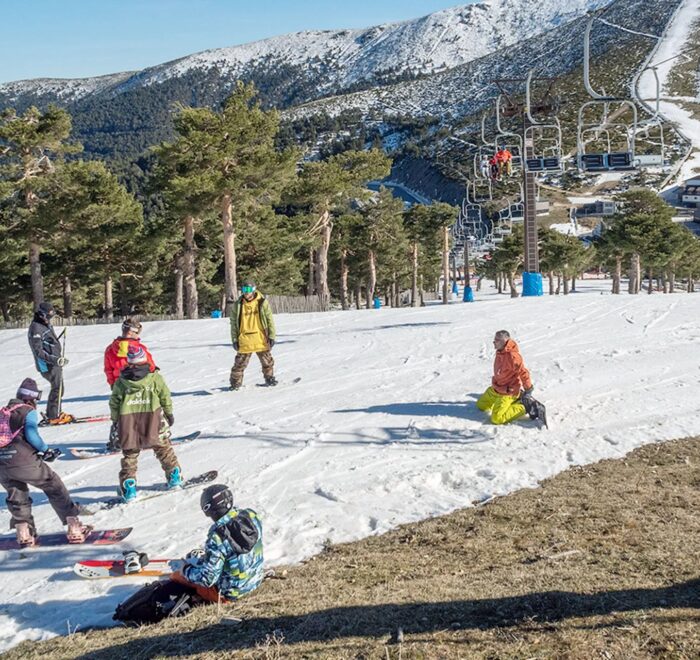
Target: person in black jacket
<point>23,458</point>
<point>46,349</point>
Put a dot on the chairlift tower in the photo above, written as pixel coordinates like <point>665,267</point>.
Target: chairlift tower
<point>534,162</point>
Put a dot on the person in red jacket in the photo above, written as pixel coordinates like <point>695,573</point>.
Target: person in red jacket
<point>115,361</point>
<point>511,386</point>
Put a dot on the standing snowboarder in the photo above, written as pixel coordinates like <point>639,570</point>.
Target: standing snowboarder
<point>231,563</point>
<point>23,458</point>
<point>252,331</point>
<point>115,362</point>
<point>143,410</point>
<point>510,394</point>
<point>49,360</point>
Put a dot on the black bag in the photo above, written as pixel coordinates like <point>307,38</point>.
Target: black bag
<point>156,601</point>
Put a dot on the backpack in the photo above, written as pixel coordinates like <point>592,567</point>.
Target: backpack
<point>6,434</point>
<point>156,601</point>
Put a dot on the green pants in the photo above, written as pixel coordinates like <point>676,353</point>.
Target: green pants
<point>502,407</point>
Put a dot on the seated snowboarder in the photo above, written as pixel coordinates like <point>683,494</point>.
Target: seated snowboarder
<point>142,407</point>
<point>510,394</point>
<point>252,331</point>
<point>23,458</point>
<point>115,362</point>
<point>231,563</point>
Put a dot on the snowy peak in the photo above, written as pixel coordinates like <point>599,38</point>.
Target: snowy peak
<point>442,40</point>
<point>338,59</point>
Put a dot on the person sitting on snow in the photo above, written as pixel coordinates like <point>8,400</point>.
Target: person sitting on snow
<point>231,563</point>
<point>509,396</point>
<point>23,458</point>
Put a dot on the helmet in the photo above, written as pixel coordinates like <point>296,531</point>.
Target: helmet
<point>248,286</point>
<point>28,390</point>
<point>131,325</point>
<point>216,501</point>
<point>46,310</point>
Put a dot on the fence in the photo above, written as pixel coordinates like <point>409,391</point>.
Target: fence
<point>280,305</point>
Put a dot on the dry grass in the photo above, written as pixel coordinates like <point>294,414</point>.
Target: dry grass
<point>599,562</point>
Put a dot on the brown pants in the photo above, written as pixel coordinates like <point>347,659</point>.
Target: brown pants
<point>210,594</point>
<point>16,481</point>
<point>241,362</point>
<point>163,450</point>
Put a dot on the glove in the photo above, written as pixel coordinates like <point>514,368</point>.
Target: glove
<point>195,554</point>
<point>170,418</point>
<point>271,342</point>
<point>529,390</point>
<point>49,455</point>
<point>235,346</point>
<point>62,362</point>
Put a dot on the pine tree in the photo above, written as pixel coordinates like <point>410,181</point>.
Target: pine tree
<point>30,145</point>
<point>240,168</point>
<point>97,227</point>
<point>324,189</point>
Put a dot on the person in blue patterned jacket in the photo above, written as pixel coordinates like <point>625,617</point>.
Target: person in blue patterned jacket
<point>231,563</point>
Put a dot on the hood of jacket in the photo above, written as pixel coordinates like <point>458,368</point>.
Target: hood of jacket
<point>238,529</point>
<point>510,347</point>
<point>136,374</point>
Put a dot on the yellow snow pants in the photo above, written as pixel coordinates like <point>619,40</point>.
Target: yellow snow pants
<point>503,408</point>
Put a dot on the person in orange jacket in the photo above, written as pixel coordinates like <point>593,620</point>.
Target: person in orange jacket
<point>511,386</point>
<point>115,361</point>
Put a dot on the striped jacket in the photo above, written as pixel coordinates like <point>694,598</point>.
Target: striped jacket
<point>233,560</point>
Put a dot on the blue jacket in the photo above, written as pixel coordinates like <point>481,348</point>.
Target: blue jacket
<point>233,560</point>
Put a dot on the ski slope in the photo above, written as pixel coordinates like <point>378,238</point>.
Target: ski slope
<point>380,430</point>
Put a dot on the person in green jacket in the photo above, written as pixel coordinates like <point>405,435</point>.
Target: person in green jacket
<point>252,331</point>
<point>142,407</point>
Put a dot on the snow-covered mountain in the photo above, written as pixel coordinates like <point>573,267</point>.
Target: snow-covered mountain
<point>337,60</point>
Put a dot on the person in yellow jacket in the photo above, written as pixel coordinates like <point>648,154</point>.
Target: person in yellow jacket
<point>252,331</point>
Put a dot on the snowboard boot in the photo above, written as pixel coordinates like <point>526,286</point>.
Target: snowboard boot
<point>26,537</point>
<point>175,478</point>
<point>270,381</point>
<point>235,386</point>
<point>127,491</point>
<point>76,532</point>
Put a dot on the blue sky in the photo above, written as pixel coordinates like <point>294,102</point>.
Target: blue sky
<point>78,38</point>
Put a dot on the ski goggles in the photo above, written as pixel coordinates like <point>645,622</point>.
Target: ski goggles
<point>247,289</point>
<point>29,394</point>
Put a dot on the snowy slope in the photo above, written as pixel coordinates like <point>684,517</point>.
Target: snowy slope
<point>676,40</point>
<point>381,430</point>
<point>340,58</point>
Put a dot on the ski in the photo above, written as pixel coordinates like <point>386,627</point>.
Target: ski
<point>148,493</point>
<point>70,419</point>
<point>95,537</point>
<point>77,452</point>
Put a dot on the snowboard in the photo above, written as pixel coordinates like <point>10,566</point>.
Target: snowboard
<point>45,421</point>
<point>541,413</point>
<point>96,453</point>
<point>293,382</point>
<point>97,569</point>
<point>147,493</point>
<point>96,537</point>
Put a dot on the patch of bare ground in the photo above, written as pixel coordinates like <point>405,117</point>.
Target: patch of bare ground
<point>599,562</point>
